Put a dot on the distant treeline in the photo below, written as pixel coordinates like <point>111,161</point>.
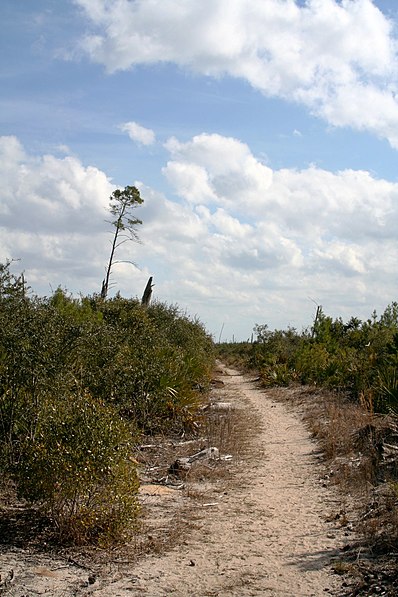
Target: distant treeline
<point>359,358</point>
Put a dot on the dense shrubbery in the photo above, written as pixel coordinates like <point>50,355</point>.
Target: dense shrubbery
<point>79,380</point>
<point>360,358</point>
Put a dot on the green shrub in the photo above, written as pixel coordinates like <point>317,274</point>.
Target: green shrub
<point>386,390</point>
<point>156,359</point>
<point>278,374</point>
<point>313,362</point>
<point>77,378</point>
<point>358,358</point>
<point>77,467</point>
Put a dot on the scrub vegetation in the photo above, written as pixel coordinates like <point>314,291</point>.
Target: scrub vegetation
<point>343,378</point>
<point>84,381</point>
<point>357,358</point>
<point>81,380</point>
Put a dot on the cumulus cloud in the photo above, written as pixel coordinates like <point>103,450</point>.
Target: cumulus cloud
<point>56,194</point>
<point>286,234</point>
<point>337,58</point>
<point>138,133</point>
<point>52,214</point>
<point>216,168</point>
<point>250,246</point>
<point>222,171</point>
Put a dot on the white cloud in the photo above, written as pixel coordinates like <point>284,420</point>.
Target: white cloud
<point>191,180</point>
<point>138,133</point>
<point>286,234</point>
<point>216,168</point>
<point>227,255</point>
<point>337,58</point>
<point>64,149</point>
<point>52,215</point>
<point>221,171</point>
<point>348,259</point>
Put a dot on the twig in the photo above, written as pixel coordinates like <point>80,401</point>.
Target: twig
<point>75,563</point>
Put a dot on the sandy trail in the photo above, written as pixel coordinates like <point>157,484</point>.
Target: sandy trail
<point>267,535</point>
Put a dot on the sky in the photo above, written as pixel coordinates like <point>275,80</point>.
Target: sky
<point>261,134</point>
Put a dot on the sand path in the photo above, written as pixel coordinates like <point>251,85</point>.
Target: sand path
<point>267,535</point>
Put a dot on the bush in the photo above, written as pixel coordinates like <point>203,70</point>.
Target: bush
<point>358,358</point>
<point>78,377</point>
<point>148,362</point>
<point>78,468</point>
<point>278,374</point>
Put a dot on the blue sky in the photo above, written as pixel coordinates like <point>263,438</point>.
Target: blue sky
<point>263,136</point>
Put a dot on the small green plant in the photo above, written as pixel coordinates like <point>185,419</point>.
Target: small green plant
<point>278,374</point>
<point>77,467</point>
<point>386,389</point>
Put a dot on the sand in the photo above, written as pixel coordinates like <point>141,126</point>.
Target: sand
<point>267,534</point>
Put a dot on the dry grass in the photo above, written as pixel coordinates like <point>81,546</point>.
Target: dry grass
<point>350,438</point>
<point>342,430</point>
<point>171,506</point>
<point>171,515</point>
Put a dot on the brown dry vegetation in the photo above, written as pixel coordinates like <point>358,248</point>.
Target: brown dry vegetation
<point>169,503</point>
<point>229,432</point>
<point>351,439</point>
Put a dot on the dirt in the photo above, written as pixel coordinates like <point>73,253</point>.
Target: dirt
<point>269,527</point>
